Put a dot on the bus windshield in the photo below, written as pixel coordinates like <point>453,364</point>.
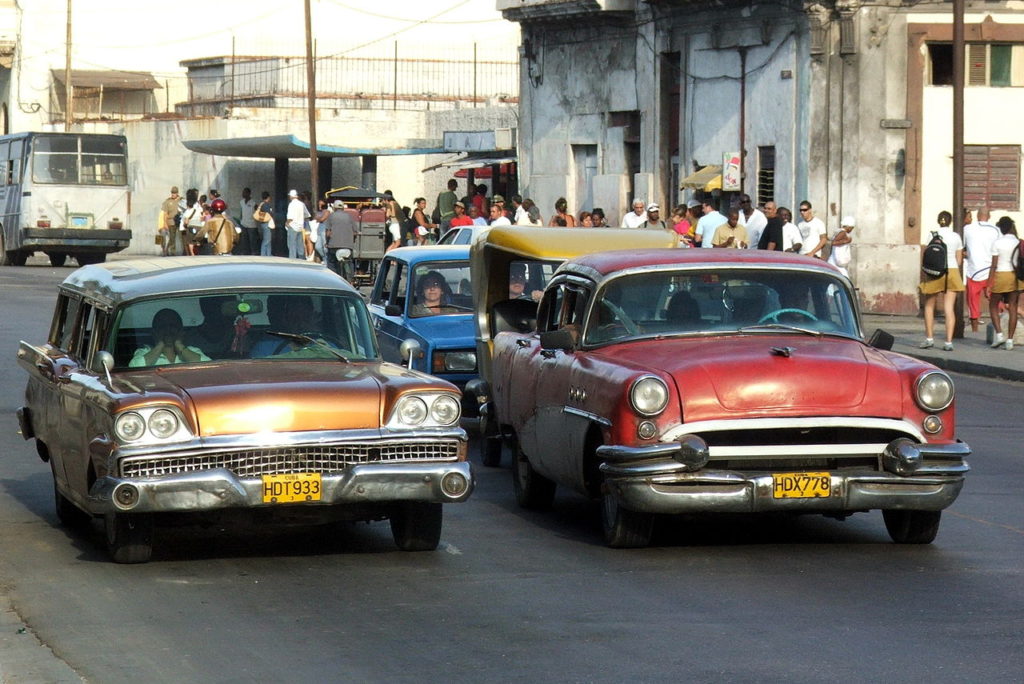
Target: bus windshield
<point>69,159</point>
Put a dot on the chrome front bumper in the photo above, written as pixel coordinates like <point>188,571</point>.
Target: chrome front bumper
<point>673,478</point>
<point>220,488</point>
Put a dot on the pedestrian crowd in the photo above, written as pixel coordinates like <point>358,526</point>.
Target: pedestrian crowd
<point>990,256</point>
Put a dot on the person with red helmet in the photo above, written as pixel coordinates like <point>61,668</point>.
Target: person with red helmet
<point>219,234</point>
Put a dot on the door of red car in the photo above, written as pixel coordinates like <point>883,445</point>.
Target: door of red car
<point>563,309</point>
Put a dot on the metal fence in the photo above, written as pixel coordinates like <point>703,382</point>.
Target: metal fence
<point>434,79</point>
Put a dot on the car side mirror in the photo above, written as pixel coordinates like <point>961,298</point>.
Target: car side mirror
<point>881,340</point>
<point>106,361</point>
<point>410,349</point>
<point>393,310</point>
<point>558,339</point>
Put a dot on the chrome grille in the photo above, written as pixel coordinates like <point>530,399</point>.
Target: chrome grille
<point>297,459</point>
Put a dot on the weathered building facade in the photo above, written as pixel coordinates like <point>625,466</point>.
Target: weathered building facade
<point>843,103</point>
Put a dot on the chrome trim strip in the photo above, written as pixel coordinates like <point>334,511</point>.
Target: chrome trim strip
<point>697,427</point>
<point>587,415</point>
<point>797,450</point>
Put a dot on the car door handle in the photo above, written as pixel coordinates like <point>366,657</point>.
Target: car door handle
<point>548,353</point>
<point>523,343</point>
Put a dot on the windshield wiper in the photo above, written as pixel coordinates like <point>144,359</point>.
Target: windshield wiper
<point>307,341</point>
<point>780,326</point>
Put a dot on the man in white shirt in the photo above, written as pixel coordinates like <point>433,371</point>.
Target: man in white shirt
<point>753,219</point>
<point>791,240</point>
<point>978,239</point>
<point>250,233</point>
<point>707,224</point>
<point>498,217</point>
<point>294,222</point>
<point>634,218</point>
<point>522,213</point>
<point>814,235</point>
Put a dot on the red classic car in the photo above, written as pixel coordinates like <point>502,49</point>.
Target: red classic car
<point>687,381</point>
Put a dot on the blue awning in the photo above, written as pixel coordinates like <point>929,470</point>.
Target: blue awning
<point>291,147</point>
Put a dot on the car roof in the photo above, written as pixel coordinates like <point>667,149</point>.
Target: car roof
<point>560,243</point>
<point>603,263</point>
<point>111,283</point>
<point>414,255</point>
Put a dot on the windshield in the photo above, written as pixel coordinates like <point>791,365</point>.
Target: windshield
<point>723,300</point>
<point>441,287</point>
<point>243,325</point>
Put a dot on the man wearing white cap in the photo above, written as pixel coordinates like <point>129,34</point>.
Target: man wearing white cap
<point>840,254</point>
<point>294,222</point>
<point>654,219</point>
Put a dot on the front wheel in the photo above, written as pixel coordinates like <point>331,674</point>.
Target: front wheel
<point>533,490</point>
<point>416,525</point>
<point>623,528</point>
<point>129,537</point>
<point>912,527</point>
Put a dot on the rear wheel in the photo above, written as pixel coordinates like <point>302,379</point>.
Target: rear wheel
<point>533,490</point>
<point>90,258</point>
<point>416,525</point>
<point>912,527</point>
<point>129,537</point>
<point>58,259</point>
<point>623,528</point>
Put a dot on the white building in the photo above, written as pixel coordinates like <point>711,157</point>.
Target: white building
<point>843,103</point>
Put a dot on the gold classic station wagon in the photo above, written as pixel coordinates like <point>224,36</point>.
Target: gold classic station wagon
<point>206,384</point>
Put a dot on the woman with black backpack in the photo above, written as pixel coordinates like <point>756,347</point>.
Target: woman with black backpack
<point>938,280</point>
<point>1003,283</point>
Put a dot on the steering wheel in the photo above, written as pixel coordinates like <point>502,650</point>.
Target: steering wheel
<point>316,335</point>
<point>624,320</point>
<point>774,315</point>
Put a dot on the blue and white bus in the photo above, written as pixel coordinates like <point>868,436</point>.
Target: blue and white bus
<point>64,194</point>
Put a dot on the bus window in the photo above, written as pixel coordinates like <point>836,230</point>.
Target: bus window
<point>103,161</point>
<point>55,159</point>
<point>5,164</point>
<point>17,152</point>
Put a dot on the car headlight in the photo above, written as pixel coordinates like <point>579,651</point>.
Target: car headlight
<point>425,410</point>
<point>151,424</point>
<point>934,391</point>
<point>411,411</point>
<point>454,362</point>
<point>649,396</point>
<point>445,410</point>
<point>163,423</point>
<point>129,427</point>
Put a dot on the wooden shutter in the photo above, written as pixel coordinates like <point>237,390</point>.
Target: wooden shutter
<point>992,176</point>
<point>977,64</point>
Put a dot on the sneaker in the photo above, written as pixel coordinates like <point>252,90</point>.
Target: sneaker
<point>999,340</point>
<point>948,346</point>
<point>1009,345</point>
<point>927,344</point>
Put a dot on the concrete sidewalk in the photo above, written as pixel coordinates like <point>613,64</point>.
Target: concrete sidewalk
<point>971,355</point>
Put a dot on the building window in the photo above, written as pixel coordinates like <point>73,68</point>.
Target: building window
<point>992,176</point>
<point>765,174</point>
<point>940,62</point>
<point>996,65</point>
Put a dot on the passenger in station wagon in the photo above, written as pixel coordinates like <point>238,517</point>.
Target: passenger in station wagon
<point>168,343</point>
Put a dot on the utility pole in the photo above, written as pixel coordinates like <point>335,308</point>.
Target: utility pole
<point>958,144</point>
<point>311,96</point>
<point>69,89</point>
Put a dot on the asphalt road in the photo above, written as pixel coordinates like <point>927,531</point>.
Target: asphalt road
<point>515,596</point>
